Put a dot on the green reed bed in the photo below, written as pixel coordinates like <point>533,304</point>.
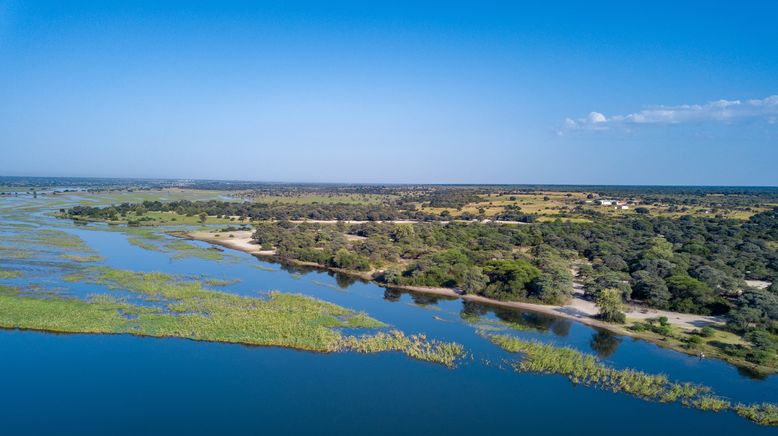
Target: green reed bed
<point>177,249</point>
<point>764,413</point>
<point>220,282</point>
<point>145,244</point>
<point>15,253</point>
<point>9,274</point>
<point>588,370</point>
<point>188,310</point>
<point>712,403</point>
<point>82,258</point>
<point>415,346</point>
<point>50,239</point>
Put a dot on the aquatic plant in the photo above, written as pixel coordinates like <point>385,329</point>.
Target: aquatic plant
<point>74,277</point>
<point>9,274</point>
<point>82,258</point>
<point>764,413</point>
<point>415,346</point>
<point>710,402</point>
<point>48,238</point>
<point>144,244</point>
<point>581,368</point>
<point>220,282</point>
<point>177,249</point>
<point>584,369</point>
<point>15,253</point>
<point>184,308</point>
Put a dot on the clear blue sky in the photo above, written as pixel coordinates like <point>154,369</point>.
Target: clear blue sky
<point>462,92</point>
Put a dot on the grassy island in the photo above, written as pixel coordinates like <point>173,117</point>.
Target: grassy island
<point>162,305</point>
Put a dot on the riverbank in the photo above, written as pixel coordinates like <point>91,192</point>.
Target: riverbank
<point>578,309</point>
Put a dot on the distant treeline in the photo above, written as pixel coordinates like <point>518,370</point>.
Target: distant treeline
<point>259,211</point>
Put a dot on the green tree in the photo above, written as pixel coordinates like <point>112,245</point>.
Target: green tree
<point>651,289</point>
<point>607,279</point>
<point>203,217</point>
<point>473,280</point>
<point>508,279</point>
<point>660,249</point>
<point>692,295</point>
<point>610,305</point>
<point>756,308</point>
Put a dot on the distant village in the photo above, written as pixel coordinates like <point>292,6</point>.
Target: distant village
<point>616,204</point>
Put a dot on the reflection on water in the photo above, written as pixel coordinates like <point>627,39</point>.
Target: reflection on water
<point>751,374</point>
<point>517,318</point>
<point>418,298</point>
<point>342,280</point>
<point>279,378</point>
<point>604,343</point>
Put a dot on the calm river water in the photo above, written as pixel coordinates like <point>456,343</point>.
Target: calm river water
<point>117,385</point>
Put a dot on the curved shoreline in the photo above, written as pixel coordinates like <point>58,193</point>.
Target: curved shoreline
<point>571,311</point>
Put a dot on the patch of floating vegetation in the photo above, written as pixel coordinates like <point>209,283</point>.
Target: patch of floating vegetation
<point>49,238</point>
<point>199,253</point>
<point>74,277</point>
<point>764,413</point>
<point>9,274</point>
<point>144,244</point>
<point>177,249</point>
<point>415,346</point>
<point>220,282</point>
<point>264,268</point>
<point>16,225</point>
<point>584,369</point>
<point>15,253</point>
<point>193,312</point>
<point>82,258</point>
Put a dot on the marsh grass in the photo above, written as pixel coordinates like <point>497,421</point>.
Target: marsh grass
<point>145,244</point>
<point>584,369</point>
<point>15,253</point>
<point>9,274</point>
<point>220,282</point>
<point>177,249</point>
<point>415,346</point>
<point>188,310</point>
<point>74,277</point>
<point>48,238</point>
<point>764,413</point>
<point>710,402</point>
<point>82,258</point>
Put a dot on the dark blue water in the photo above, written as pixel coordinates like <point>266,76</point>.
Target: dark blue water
<point>91,384</point>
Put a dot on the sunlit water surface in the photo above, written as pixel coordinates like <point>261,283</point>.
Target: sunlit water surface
<point>120,384</point>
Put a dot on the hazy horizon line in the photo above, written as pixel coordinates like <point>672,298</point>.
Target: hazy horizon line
<point>299,182</point>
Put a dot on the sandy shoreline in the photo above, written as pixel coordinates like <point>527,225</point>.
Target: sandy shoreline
<point>578,309</point>
<point>237,240</point>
